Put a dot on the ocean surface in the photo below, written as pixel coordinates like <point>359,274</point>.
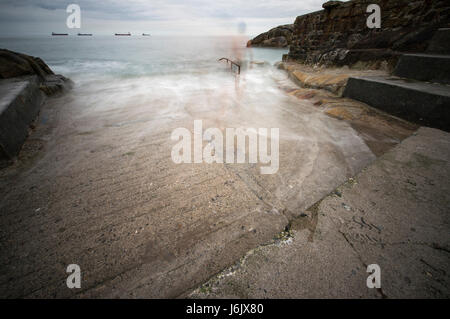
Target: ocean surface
<point>85,58</point>
<point>145,73</point>
<point>168,82</point>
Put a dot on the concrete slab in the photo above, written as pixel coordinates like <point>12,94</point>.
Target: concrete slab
<point>424,67</point>
<point>20,100</point>
<point>394,214</point>
<point>440,43</point>
<point>420,102</point>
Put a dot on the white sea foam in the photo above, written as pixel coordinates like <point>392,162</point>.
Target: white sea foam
<point>159,81</point>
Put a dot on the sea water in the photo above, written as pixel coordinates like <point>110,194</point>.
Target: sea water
<point>81,58</point>
<point>144,73</point>
<point>131,91</point>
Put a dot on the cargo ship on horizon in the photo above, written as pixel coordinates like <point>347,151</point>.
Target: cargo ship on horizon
<point>59,34</point>
<point>123,34</point>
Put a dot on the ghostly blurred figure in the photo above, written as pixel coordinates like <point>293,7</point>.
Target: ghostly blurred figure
<point>242,55</point>
<point>238,42</point>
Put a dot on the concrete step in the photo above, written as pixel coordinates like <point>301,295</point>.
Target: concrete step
<point>20,101</point>
<point>424,67</point>
<point>440,43</point>
<point>424,103</point>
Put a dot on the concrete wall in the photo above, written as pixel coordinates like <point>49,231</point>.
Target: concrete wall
<point>24,83</point>
<point>20,101</point>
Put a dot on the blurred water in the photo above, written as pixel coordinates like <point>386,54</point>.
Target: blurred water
<point>141,74</point>
<point>79,57</point>
<point>129,92</point>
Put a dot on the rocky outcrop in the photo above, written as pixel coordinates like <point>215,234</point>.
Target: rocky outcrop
<point>338,34</point>
<point>25,81</point>
<point>278,37</point>
<point>13,64</point>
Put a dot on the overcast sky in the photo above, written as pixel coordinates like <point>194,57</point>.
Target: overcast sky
<point>158,17</point>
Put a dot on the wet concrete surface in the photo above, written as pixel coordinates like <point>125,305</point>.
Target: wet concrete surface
<point>95,184</point>
<point>393,214</point>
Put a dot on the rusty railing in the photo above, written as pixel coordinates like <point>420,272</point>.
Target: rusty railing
<point>231,64</point>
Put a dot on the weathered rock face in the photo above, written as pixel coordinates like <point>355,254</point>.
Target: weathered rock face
<point>278,37</point>
<point>13,64</point>
<point>338,35</point>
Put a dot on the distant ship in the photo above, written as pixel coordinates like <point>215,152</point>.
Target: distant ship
<point>145,34</point>
<point>85,34</point>
<point>55,34</point>
<point>123,34</point>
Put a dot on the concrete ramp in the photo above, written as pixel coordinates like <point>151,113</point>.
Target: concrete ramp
<point>393,214</point>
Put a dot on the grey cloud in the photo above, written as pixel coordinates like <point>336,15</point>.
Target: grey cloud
<point>108,12</point>
<point>138,9</point>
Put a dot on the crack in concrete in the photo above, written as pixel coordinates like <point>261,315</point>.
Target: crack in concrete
<point>379,290</point>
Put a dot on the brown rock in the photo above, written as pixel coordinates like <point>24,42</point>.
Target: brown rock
<point>13,64</point>
<point>338,35</point>
<point>54,83</point>
<point>331,4</point>
<point>280,36</point>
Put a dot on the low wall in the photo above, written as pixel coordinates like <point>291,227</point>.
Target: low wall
<point>25,81</point>
<point>20,101</point>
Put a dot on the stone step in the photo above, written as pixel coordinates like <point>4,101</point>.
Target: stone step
<point>20,101</point>
<point>440,43</point>
<point>424,67</point>
<point>424,103</point>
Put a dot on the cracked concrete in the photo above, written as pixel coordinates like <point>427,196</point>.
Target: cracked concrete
<point>395,213</point>
<point>100,188</point>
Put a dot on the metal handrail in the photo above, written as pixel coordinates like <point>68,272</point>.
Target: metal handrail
<point>231,64</point>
